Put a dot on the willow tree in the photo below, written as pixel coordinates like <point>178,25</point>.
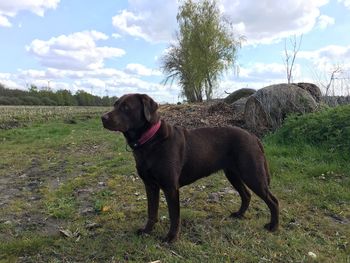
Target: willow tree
<point>205,48</point>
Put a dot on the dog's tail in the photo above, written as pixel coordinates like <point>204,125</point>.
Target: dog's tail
<point>266,166</point>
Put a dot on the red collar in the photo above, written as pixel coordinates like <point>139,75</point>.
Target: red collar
<point>149,133</point>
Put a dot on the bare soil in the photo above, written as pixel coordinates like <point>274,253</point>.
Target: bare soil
<point>201,115</point>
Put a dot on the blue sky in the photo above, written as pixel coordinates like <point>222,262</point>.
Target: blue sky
<point>113,47</point>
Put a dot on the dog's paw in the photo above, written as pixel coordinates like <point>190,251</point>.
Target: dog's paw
<point>237,215</point>
<point>271,227</point>
<point>142,232</point>
<point>170,238</point>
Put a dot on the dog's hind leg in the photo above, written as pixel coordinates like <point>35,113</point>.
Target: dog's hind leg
<point>244,193</point>
<point>264,193</point>
<point>274,209</point>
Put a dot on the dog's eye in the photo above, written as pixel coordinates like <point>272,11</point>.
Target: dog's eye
<point>124,108</point>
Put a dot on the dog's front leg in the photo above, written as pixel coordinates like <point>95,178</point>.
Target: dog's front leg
<point>152,192</point>
<point>172,198</point>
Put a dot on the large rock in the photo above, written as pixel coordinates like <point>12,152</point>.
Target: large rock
<point>238,94</point>
<point>239,105</point>
<point>312,89</point>
<point>268,107</point>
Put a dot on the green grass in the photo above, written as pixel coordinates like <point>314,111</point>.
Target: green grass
<point>328,129</point>
<point>79,178</point>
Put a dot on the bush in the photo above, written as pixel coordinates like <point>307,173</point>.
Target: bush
<point>329,128</point>
<point>4,100</point>
<point>30,100</point>
<point>48,101</point>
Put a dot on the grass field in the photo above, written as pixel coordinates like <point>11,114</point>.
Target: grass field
<point>21,116</point>
<point>69,192</point>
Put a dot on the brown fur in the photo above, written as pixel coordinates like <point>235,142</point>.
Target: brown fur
<point>175,157</point>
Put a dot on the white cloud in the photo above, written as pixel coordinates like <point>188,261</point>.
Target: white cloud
<point>91,83</point>
<point>56,74</point>
<point>346,3</point>
<point>116,36</point>
<point>32,74</point>
<point>264,21</point>
<point>7,80</point>
<point>326,60</point>
<point>334,53</point>
<point>77,51</point>
<point>24,78</point>
<point>102,81</point>
<point>258,73</point>
<point>262,71</point>
<point>141,70</point>
<point>153,21</point>
<point>267,21</point>
<point>4,22</point>
<point>325,21</point>
<point>9,9</point>
<point>115,82</point>
<point>124,83</point>
<point>128,22</point>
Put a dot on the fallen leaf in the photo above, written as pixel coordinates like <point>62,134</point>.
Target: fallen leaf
<point>70,234</point>
<point>312,254</point>
<point>66,232</point>
<point>106,208</point>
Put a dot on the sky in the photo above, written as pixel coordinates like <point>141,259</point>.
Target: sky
<point>114,47</point>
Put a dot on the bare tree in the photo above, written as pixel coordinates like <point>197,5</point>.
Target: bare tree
<point>334,83</point>
<point>325,79</point>
<point>290,55</point>
<point>336,70</point>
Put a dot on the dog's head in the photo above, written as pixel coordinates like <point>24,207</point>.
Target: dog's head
<point>131,111</point>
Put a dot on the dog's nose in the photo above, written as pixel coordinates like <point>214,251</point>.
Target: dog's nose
<point>104,117</point>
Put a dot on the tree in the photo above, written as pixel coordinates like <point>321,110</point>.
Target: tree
<point>205,47</point>
<point>336,70</point>
<point>34,96</point>
<point>84,98</point>
<point>33,89</point>
<point>333,80</point>
<point>290,55</point>
<point>65,97</point>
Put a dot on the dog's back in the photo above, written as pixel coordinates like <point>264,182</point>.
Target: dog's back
<point>208,150</point>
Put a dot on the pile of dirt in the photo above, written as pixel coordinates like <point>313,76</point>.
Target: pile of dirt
<point>258,113</point>
<point>196,115</point>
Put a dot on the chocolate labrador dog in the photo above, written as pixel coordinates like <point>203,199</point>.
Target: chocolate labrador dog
<point>168,157</point>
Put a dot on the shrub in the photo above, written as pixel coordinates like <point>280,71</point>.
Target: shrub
<point>48,101</point>
<point>5,100</point>
<point>329,128</point>
<point>30,100</point>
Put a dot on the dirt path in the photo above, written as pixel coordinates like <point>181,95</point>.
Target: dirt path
<point>21,196</point>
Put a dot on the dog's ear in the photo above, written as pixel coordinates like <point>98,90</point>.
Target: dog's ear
<point>150,109</point>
